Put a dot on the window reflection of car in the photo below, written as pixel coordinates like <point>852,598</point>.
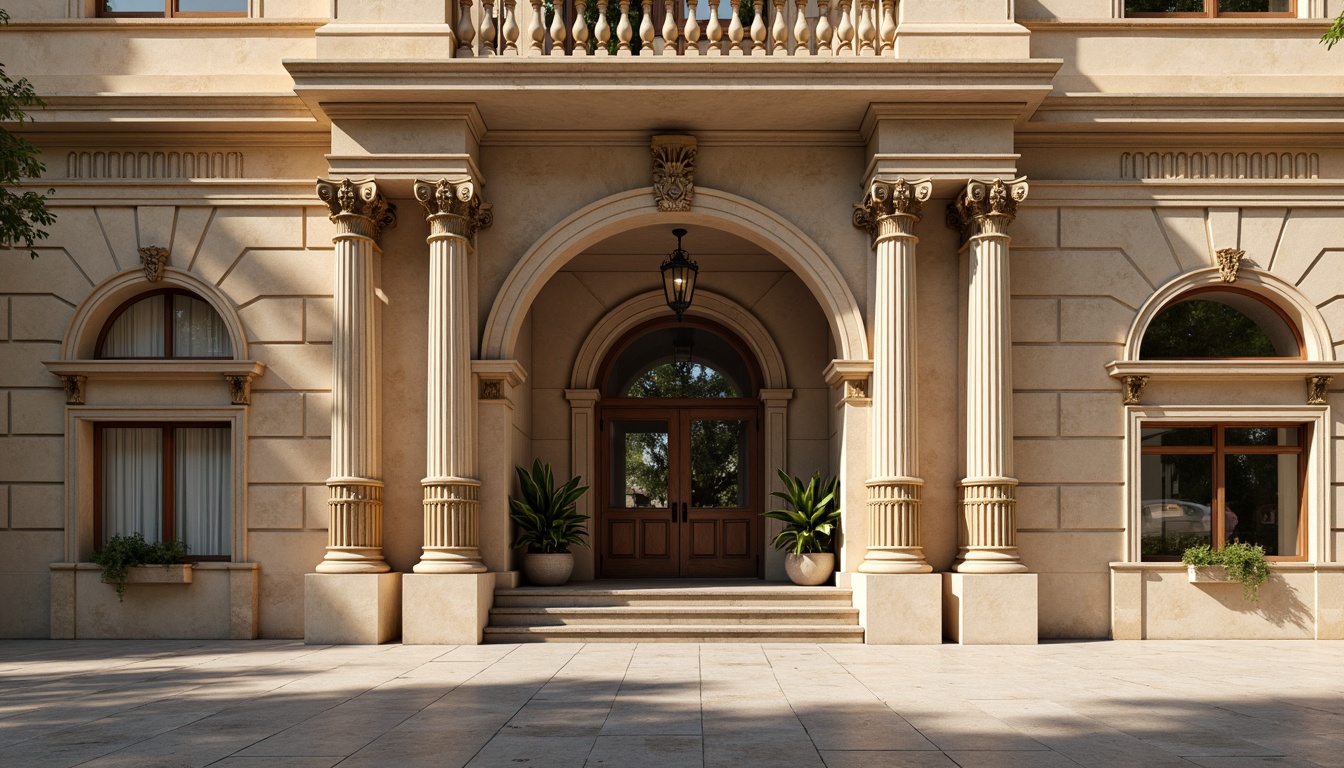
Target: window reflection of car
<point>1163,517</point>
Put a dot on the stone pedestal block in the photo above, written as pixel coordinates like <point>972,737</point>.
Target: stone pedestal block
<point>351,608</point>
<point>1126,603</point>
<point>990,608</point>
<point>445,608</point>
<point>899,609</point>
<point>1330,603</point>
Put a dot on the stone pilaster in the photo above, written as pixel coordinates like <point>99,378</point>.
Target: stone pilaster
<point>982,213</point>
<point>355,534</point>
<point>452,487</point>
<point>889,212</point>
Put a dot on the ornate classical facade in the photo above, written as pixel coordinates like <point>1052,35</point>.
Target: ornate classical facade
<point>1047,285</point>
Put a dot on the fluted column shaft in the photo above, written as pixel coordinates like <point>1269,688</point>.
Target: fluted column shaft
<point>988,499</point>
<point>355,503</point>
<point>890,211</point>
<point>451,484</point>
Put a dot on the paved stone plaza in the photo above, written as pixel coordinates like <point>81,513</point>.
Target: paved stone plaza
<point>281,704</point>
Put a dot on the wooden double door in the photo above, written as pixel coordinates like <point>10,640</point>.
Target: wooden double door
<point>681,495</point>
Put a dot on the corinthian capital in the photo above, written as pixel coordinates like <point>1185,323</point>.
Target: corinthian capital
<point>357,207</point>
<point>892,207</point>
<point>986,207</point>
<point>453,209</point>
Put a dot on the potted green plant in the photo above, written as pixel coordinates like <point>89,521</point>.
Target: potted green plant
<point>122,553</point>
<point>1236,562</point>
<point>548,524</point>
<point>809,527</point>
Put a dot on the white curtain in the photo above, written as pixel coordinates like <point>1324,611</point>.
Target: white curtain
<point>198,331</point>
<point>138,332</point>
<point>133,482</point>
<point>203,483</point>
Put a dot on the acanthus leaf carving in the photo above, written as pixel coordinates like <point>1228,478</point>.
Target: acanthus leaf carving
<point>674,172</point>
<point>453,208</point>
<point>357,207</point>
<point>892,207</point>
<point>986,207</point>
<point>1134,389</point>
<point>1316,389</point>
<point>74,388</point>
<point>1229,261</point>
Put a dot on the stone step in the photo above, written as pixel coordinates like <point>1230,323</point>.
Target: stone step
<point>722,596</point>
<point>675,614</point>
<point>673,633</point>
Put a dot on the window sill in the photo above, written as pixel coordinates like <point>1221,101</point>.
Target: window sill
<point>237,374</point>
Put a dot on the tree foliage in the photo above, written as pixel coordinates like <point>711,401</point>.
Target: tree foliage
<point>22,215</point>
<point>1201,328</point>
<point>1335,33</point>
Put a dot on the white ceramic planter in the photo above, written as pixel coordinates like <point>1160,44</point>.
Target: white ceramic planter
<point>548,570</point>
<point>1209,574</point>
<point>809,569</point>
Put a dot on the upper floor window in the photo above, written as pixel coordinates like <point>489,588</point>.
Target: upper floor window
<point>165,324</point>
<point>1220,323</point>
<point>1211,8</point>
<point>171,8</point>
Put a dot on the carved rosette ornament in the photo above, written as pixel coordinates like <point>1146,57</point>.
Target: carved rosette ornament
<point>1134,389</point>
<point>154,259</point>
<point>1316,388</point>
<point>357,207</point>
<point>986,207</point>
<point>674,172</point>
<point>892,207</point>
<point>1229,261</point>
<point>453,208</point>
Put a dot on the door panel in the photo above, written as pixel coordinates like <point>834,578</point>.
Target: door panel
<point>638,522</point>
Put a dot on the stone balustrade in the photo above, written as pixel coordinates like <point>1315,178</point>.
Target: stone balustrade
<point>644,28</point>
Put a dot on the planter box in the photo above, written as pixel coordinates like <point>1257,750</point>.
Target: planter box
<point>1209,574</point>
<point>159,574</point>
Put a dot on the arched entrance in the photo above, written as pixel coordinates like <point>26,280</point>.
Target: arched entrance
<point>679,454</point>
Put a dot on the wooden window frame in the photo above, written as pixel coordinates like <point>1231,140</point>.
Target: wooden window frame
<point>1217,452</point>
<point>1211,12</point>
<point>170,11</point>
<point>168,294</point>
<point>168,523</point>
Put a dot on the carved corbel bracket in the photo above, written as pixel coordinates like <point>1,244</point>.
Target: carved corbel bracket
<point>453,208</point>
<point>986,207</point>
<point>495,377</point>
<point>674,172</point>
<point>240,388</point>
<point>1229,261</point>
<point>74,388</point>
<point>153,259</point>
<point>892,207</point>
<point>853,376</point>
<point>1133,386</point>
<point>357,207</point>
<point>1316,388</point>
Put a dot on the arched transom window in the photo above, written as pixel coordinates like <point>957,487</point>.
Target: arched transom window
<point>165,324</point>
<point>1220,323</point>
<point>681,361</point>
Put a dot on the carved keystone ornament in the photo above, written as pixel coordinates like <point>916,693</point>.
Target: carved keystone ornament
<point>674,172</point>
<point>154,260</point>
<point>1229,261</point>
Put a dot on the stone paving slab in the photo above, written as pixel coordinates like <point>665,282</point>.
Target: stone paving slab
<point>282,704</point>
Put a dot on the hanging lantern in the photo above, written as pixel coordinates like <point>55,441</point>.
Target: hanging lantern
<point>679,277</point>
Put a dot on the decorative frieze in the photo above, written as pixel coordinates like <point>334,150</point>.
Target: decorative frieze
<point>154,259</point>
<point>1220,165</point>
<point>357,207</point>
<point>1316,388</point>
<point>453,208</point>
<point>111,164</point>
<point>1229,261</point>
<point>892,207</point>
<point>986,207</point>
<point>674,172</point>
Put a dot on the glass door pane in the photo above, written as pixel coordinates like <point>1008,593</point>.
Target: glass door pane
<point>719,464</point>
<point>639,465</point>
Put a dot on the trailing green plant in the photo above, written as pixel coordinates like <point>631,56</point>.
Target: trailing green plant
<point>121,553</point>
<point>548,520</point>
<point>1244,562</point>
<point>815,516</point>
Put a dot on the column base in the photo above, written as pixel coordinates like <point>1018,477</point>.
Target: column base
<point>353,560</point>
<point>446,608</point>
<point>989,560</point>
<point>447,560</point>
<point>351,608</point>
<point>899,609</point>
<point>990,608</point>
<point>895,560</point>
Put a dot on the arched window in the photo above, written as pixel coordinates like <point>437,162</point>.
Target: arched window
<point>681,361</point>
<point>171,323</point>
<point>1220,323</point>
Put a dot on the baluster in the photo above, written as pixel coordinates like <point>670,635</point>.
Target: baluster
<point>867,30</point>
<point>669,30</point>
<point>466,30</point>
<point>714,29</point>
<point>757,29</point>
<point>779,31</point>
<point>488,42</point>
<point>888,26</point>
<point>735,31</point>
<point>602,30</point>
<point>646,29</point>
<point>579,32</point>
<point>510,28</point>
<point>824,30</point>
<point>845,32</point>
<point>801,32</point>
<point>536,32</point>
<point>623,30</point>
<point>692,28</point>
<point>558,31</point>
